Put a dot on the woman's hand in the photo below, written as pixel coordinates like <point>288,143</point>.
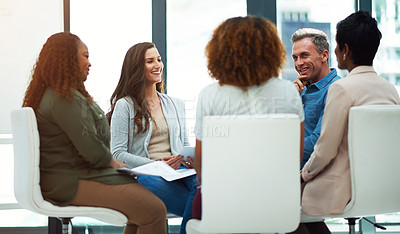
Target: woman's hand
<point>116,164</point>
<point>173,161</point>
<point>188,163</point>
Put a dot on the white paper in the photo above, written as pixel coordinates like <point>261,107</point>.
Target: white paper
<point>159,168</point>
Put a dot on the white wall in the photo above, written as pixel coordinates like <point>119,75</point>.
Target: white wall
<point>24,27</point>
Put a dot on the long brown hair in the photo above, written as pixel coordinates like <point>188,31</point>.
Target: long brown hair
<point>132,84</point>
<point>57,67</point>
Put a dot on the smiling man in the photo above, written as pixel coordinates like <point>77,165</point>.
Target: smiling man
<point>310,55</point>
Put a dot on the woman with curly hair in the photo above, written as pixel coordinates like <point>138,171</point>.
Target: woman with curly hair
<point>148,125</point>
<point>76,165</point>
<point>245,56</point>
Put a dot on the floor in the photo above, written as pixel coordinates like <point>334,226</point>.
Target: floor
<point>172,229</point>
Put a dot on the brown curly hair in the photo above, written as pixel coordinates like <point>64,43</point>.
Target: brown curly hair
<point>132,84</point>
<point>245,51</point>
<point>57,67</point>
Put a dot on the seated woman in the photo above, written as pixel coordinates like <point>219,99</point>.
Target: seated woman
<point>245,55</point>
<point>148,125</point>
<point>76,165</point>
<point>326,175</point>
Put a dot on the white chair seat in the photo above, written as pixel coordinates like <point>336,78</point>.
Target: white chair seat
<point>103,214</point>
<point>374,154</point>
<point>27,175</point>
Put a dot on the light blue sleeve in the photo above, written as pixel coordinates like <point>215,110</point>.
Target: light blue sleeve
<point>175,115</point>
<point>182,121</point>
<point>122,132</point>
<point>185,130</point>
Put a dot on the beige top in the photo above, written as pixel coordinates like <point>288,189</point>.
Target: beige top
<point>327,172</point>
<point>159,146</point>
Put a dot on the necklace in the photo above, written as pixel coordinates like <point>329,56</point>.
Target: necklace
<point>153,105</point>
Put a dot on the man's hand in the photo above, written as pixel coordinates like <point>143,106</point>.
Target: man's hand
<point>300,82</point>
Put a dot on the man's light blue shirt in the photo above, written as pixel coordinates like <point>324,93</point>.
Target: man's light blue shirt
<point>313,98</point>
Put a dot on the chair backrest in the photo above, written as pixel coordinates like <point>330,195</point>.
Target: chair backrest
<point>374,151</point>
<point>26,158</point>
<point>250,174</point>
<point>27,174</point>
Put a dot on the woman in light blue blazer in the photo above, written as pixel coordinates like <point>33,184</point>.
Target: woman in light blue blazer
<point>148,125</point>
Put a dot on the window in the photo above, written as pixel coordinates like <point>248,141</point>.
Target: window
<point>292,15</point>
<point>386,61</point>
<point>190,24</point>
<point>109,29</point>
<point>24,28</point>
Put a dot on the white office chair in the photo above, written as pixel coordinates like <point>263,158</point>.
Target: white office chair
<point>374,151</point>
<point>27,176</point>
<point>250,175</point>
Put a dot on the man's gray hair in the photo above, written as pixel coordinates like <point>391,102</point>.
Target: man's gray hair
<point>319,38</point>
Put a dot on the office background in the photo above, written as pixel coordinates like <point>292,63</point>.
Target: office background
<point>180,29</point>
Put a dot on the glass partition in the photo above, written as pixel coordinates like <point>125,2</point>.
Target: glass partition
<point>386,63</point>
<point>109,29</point>
<point>24,28</point>
<point>190,24</point>
<point>320,14</point>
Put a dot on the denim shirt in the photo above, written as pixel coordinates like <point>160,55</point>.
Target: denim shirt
<point>313,98</point>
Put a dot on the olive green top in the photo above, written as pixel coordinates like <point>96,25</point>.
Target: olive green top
<point>74,145</point>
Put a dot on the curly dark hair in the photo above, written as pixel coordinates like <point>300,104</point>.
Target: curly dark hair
<point>132,84</point>
<point>245,51</point>
<point>57,67</point>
